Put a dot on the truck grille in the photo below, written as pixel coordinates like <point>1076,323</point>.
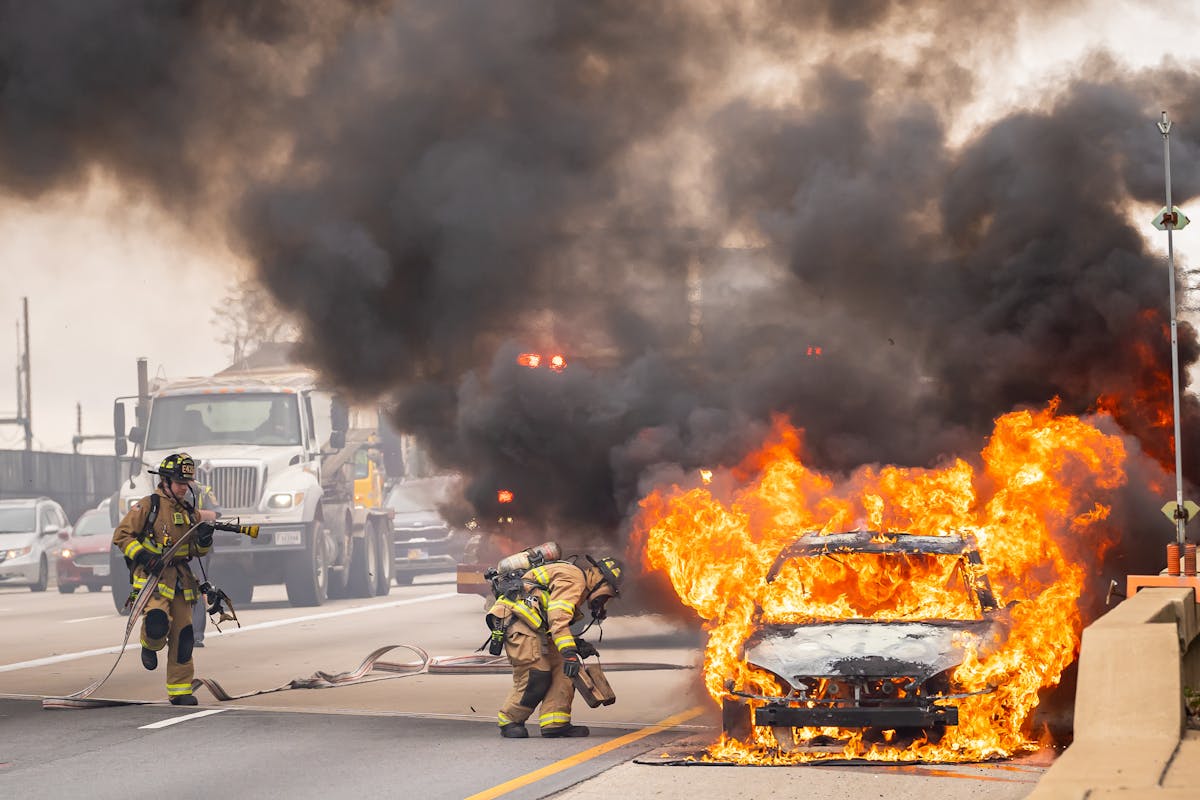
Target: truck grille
<point>236,488</point>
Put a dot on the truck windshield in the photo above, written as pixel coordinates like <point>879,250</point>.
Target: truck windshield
<point>249,419</point>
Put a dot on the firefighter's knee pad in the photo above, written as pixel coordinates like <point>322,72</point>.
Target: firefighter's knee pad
<point>535,690</point>
<point>158,624</point>
<point>187,640</point>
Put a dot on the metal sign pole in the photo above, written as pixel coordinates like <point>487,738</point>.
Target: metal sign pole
<point>1164,126</point>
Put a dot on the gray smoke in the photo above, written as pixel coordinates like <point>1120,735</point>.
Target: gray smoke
<point>436,187</point>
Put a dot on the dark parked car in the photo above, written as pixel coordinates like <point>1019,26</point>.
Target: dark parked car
<point>83,559</point>
<point>29,532</point>
<point>887,671</point>
<point>423,542</point>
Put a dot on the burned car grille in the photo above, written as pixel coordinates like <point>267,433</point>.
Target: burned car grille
<point>236,488</point>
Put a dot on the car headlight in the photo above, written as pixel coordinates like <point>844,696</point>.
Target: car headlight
<point>18,552</point>
<point>67,552</point>
<point>285,499</point>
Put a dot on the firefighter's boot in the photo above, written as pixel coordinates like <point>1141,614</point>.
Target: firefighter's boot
<point>514,730</point>
<point>184,700</point>
<point>565,731</point>
<point>149,659</point>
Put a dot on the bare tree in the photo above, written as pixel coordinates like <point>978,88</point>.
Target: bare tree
<point>250,318</point>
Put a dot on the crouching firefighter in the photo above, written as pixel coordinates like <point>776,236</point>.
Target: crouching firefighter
<point>533,619</point>
<point>152,525</point>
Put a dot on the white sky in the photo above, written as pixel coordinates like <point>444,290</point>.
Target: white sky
<point>95,269</point>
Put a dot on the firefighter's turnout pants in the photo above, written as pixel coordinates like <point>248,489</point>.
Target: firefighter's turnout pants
<point>167,621</point>
<point>537,679</point>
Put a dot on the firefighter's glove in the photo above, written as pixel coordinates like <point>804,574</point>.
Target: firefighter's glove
<point>586,650</point>
<point>496,642</point>
<point>571,662</point>
<point>204,534</point>
<point>147,560</point>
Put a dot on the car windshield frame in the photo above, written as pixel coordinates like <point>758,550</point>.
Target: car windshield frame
<point>85,521</point>
<point>18,519</point>
<point>973,581</point>
<point>409,500</point>
<point>267,419</point>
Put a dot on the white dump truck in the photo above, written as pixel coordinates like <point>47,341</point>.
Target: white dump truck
<point>278,451</point>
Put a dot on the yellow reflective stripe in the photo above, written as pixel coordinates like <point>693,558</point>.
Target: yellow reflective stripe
<point>139,581</point>
<point>564,642</point>
<point>526,613</point>
<point>133,548</point>
<point>562,605</point>
<point>503,718</point>
<point>539,574</point>
<point>166,591</point>
<point>152,546</point>
<point>189,595</point>
<point>179,688</point>
<point>554,718</point>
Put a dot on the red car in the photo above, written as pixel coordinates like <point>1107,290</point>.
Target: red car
<point>83,559</point>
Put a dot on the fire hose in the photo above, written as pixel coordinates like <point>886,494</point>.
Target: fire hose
<point>319,680</point>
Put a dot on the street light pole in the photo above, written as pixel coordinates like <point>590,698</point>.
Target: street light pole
<point>1164,126</point>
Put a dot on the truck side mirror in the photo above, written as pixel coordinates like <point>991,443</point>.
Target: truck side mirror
<point>337,440</point>
<point>339,415</point>
<point>136,435</point>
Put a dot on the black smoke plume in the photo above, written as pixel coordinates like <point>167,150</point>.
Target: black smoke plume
<point>716,211</point>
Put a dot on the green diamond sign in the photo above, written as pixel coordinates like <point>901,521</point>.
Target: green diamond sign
<point>1174,218</point>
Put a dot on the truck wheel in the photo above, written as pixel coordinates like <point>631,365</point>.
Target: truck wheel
<point>67,588</point>
<point>305,573</point>
<point>364,564</point>
<point>404,578</point>
<point>239,585</point>
<point>383,575</point>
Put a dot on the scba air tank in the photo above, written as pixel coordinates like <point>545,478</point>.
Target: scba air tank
<point>528,559</point>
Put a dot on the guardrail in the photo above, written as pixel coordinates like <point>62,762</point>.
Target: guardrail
<point>1130,737</point>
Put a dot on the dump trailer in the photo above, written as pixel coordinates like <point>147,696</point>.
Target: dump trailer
<point>279,451</point>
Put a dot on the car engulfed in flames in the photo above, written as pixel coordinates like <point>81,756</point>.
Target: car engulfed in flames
<point>891,677</point>
<point>870,647</point>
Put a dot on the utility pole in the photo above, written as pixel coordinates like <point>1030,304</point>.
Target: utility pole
<point>1172,219</point>
<point>24,393</point>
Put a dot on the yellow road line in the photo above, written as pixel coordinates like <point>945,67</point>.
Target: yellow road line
<point>579,758</point>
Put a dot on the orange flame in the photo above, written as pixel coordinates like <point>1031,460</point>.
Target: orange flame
<point>1038,490</point>
<point>558,363</point>
<point>531,360</point>
<point>504,496</point>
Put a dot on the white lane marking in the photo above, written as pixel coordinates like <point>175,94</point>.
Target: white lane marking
<point>278,623</point>
<point>86,619</point>
<point>175,720</point>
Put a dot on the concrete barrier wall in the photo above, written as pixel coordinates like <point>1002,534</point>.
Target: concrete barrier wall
<point>1129,714</point>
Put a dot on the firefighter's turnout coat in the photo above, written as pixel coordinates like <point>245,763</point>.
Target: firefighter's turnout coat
<point>537,631</point>
<point>167,619</point>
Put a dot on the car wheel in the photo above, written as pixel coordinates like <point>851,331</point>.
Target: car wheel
<point>736,719</point>
<point>43,579</point>
<point>404,578</point>
<point>95,587</point>
<point>67,588</point>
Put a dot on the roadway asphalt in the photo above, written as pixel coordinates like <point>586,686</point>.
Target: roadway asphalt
<point>426,736</point>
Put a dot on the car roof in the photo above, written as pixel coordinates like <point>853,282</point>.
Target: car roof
<point>817,544</point>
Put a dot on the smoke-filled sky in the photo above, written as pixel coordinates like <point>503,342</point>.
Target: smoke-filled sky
<point>685,198</point>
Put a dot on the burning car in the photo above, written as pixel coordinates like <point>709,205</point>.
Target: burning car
<point>876,651</point>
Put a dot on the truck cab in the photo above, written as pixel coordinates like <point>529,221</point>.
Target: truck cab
<point>276,450</point>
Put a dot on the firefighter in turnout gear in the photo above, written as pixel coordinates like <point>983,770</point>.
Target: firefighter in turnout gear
<point>152,525</point>
<point>534,622</point>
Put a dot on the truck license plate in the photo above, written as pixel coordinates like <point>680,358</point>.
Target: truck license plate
<point>287,537</point>
<point>100,570</point>
<point>415,554</point>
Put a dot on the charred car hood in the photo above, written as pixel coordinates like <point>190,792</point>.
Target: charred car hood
<point>868,648</point>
